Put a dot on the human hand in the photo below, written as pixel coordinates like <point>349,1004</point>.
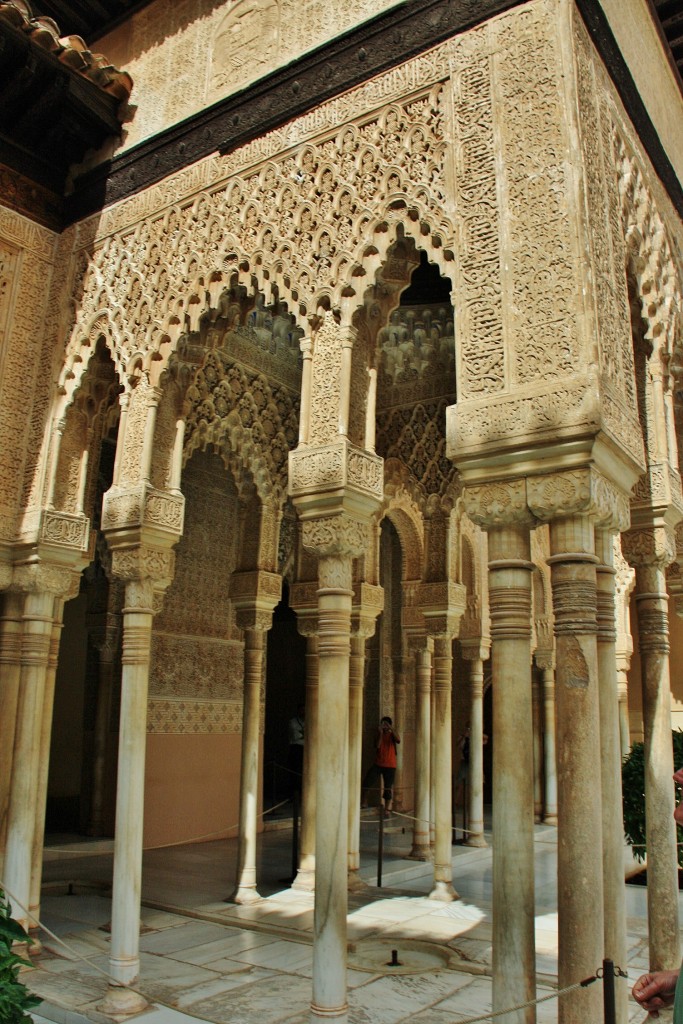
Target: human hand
<point>655,991</point>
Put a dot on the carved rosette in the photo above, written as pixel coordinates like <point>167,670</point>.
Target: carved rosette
<point>254,596</point>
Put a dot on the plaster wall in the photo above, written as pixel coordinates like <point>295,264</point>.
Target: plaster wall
<point>191,788</point>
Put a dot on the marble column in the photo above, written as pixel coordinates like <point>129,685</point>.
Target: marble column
<point>124,958</point>
<point>545,663</point>
<point>421,849</point>
<point>514,964</point>
<point>662,866</point>
<point>10,672</point>
<point>356,679</point>
<point>624,724</point>
<point>610,763</point>
<point>443,770</point>
<point>536,717</point>
<point>44,756</point>
<point>579,859</point>
<point>106,649</point>
<point>245,883</point>
<point>400,686</point>
<point>305,876</point>
<point>475,780</point>
<point>329,998</point>
<point>37,618</point>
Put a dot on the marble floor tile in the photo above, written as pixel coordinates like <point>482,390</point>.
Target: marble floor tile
<point>234,941</point>
<point>277,998</point>
<point>185,936</point>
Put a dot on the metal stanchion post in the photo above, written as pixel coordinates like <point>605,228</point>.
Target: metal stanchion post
<point>380,845</point>
<point>608,997</point>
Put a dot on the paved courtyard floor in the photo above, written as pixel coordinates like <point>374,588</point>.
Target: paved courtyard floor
<point>203,958</point>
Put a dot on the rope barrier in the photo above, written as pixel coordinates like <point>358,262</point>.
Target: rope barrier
<point>167,846</point>
<point>75,955</point>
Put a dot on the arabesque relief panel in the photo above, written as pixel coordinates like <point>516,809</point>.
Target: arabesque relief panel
<point>27,254</point>
<point>301,211</point>
<point>237,42</point>
<point>197,664</point>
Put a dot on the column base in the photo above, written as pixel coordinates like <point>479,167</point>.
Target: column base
<point>355,883</point>
<point>244,896</point>
<point>420,852</point>
<point>477,840</point>
<point>443,892</point>
<point>550,819</point>
<point>120,1003</point>
<point>337,1013</point>
<point>305,880</point>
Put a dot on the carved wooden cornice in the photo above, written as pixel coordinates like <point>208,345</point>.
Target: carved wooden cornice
<point>385,42</point>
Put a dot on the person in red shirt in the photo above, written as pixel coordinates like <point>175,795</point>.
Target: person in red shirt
<point>384,767</point>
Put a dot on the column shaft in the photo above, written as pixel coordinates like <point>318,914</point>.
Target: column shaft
<point>245,886</point>
<point>549,748</point>
<point>305,878</point>
<point>421,846</point>
<point>579,854</point>
<point>662,867</point>
<point>443,771</point>
<point>356,673</point>
<point>10,674</point>
<point>331,838</point>
<point>124,961</point>
<point>514,966</point>
<point>610,761</point>
<point>45,734</point>
<point>476,767</point>
<point>35,649</point>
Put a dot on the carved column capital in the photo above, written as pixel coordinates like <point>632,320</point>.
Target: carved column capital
<point>366,605</point>
<point>475,649</point>
<point>35,576</point>
<point>653,545</point>
<point>254,595</point>
<point>336,534</point>
<point>143,562</point>
<point>143,507</point>
<point>499,503</point>
<point>582,491</point>
<point>442,605</point>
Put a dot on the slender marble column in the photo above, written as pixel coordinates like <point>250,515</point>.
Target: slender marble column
<point>514,963</point>
<point>245,886</point>
<point>662,867</point>
<point>331,839</point>
<point>579,862</point>
<point>432,763</point>
<point>475,781</point>
<point>610,750</point>
<point>549,750</point>
<point>423,657</point>
<point>536,712</point>
<point>443,771</point>
<point>106,651</point>
<point>398,802</point>
<point>35,650</point>
<point>10,674</point>
<point>356,674</point>
<point>305,877</point>
<point>624,725</point>
<point>124,959</point>
<point>41,795</point>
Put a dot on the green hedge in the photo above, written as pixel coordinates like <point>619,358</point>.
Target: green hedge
<point>15,998</point>
<point>633,784</point>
